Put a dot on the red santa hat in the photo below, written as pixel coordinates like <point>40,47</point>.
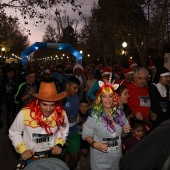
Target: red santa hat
<point>100,66</point>
<point>151,64</point>
<point>132,63</point>
<point>128,71</point>
<point>117,74</point>
<point>106,71</point>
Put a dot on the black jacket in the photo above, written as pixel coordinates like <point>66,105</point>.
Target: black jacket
<point>151,153</point>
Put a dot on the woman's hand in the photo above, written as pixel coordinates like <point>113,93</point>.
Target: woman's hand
<point>101,146</point>
<point>56,150</point>
<point>27,154</point>
<point>126,128</point>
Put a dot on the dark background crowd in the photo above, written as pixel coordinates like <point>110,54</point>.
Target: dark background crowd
<point>17,81</point>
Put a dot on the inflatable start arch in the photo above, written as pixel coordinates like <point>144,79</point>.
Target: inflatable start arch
<point>43,45</point>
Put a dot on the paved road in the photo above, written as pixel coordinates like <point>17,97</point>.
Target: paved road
<point>8,156</point>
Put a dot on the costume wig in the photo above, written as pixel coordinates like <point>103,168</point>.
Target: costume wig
<point>37,115</point>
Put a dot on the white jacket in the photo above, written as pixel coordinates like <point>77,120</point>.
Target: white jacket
<point>26,134</point>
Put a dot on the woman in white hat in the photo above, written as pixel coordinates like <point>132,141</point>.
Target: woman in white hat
<point>159,96</point>
<point>41,125</point>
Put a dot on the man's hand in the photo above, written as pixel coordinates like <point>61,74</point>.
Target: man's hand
<point>56,150</point>
<point>139,116</point>
<point>27,154</point>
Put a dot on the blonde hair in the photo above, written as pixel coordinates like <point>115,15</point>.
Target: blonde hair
<point>107,89</point>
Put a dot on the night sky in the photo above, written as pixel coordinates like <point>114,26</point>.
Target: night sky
<point>37,32</point>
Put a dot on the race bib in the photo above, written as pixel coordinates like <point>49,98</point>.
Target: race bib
<point>73,120</point>
<point>163,106</point>
<point>79,129</point>
<point>144,101</point>
<point>42,142</point>
<point>113,143</point>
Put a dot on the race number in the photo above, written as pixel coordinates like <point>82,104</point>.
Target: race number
<point>42,142</point>
<point>113,143</point>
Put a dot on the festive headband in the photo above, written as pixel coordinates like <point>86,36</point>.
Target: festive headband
<point>104,86</point>
<point>99,112</point>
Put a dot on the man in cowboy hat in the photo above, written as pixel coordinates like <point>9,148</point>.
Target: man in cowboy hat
<point>41,125</point>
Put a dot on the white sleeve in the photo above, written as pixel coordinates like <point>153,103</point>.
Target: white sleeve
<point>16,130</point>
<point>63,130</point>
<point>88,128</point>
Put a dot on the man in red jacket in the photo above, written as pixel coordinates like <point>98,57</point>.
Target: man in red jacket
<point>139,100</point>
<point>128,77</point>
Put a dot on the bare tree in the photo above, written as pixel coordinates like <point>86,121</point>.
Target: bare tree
<point>113,22</point>
<point>38,10</point>
<point>50,34</point>
<point>11,35</point>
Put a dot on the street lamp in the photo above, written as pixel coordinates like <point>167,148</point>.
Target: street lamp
<point>2,50</point>
<point>68,58</point>
<point>124,45</point>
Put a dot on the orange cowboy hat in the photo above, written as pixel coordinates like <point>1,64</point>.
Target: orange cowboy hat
<point>48,92</point>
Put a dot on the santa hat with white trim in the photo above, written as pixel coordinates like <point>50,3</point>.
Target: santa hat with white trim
<point>117,74</point>
<point>132,63</point>
<point>160,72</point>
<point>128,71</point>
<point>151,64</point>
<point>106,71</point>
